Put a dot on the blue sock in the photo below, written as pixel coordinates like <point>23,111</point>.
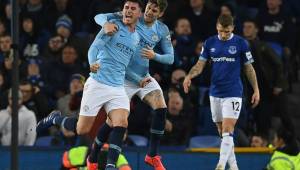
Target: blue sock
<point>157,130</point>
<point>115,145</point>
<point>69,123</point>
<point>100,139</point>
<point>58,120</point>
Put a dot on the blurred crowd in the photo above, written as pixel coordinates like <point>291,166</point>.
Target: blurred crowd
<point>55,36</point>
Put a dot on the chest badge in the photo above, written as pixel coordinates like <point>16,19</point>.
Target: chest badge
<point>154,38</point>
<point>232,49</point>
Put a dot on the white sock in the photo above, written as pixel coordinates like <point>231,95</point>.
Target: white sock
<point>226,148</point>
<point>231,159</point>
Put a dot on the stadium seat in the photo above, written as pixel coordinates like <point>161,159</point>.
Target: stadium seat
<point>138,140</point>
<point>204,142</point>
<point>44,141</point>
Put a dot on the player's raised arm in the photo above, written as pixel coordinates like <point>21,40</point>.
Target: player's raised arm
<point>96,46</point>
<point>195,71</point>
<point>103,20</point>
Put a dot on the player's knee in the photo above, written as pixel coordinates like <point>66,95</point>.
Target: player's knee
<point>121,122</point>
<point>227,129</point>
<point>82,130</point>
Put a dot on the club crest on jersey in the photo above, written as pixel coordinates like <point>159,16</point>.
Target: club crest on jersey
<point>154,37</point>
<point>212,50</point>
<point>232,49</point>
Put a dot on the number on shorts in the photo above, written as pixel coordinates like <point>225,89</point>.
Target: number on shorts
<point>236,106</point>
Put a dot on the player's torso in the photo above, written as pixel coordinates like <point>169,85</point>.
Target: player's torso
<point>116,55</point>
<point>149,38</point>
<point>226,67</point>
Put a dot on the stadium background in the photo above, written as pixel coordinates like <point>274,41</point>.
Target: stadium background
<point>54,38</point>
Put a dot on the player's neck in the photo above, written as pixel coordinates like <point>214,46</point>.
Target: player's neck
<point>229,38</point>
<point>149,24</point>
<point>131,27</point>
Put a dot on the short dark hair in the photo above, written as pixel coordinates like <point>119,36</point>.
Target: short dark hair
<point>225,20</point>
<point>140,2</point>
<point>252,21</point>
<point>162,4</point>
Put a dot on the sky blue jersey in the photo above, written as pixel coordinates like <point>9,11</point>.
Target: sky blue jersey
<point>157,34</point>
<point>113,53</point>
<point>227,59</point>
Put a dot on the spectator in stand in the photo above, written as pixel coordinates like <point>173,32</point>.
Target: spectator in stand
<point>202,19</point>
<point>39,13</point>
<point>3,29</point>
<point>6,58</point>
<point>184,44</point>
<point>273,86</point>
<point>275,25</point>
<point>3,93</point>
<point>27,124</point>
<point>53,51</point>
<point>34,99</point>
<point>228,9</point>
<point>59,72</point>
<point>259,141</point>
<point>64,28</point>
<point>178,124</point>
<point>69,104</point>
<point>32,40</point>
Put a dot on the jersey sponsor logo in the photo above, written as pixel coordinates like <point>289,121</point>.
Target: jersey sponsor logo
<point>223,59</point>
<point>249,55</point>
<point>232,50</point>
<point>212,50</point>
<point>154,38</point>
<point>125,49</point>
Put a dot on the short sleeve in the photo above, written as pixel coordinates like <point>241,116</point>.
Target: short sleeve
<point>204,55</point>
<point>246,53</point>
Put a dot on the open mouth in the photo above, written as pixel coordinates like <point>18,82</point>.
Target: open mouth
<point>128,16</point>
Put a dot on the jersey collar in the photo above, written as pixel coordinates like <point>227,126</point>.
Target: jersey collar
<point>231,36</point>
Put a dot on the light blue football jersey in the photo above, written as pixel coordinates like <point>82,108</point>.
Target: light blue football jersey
<point>227,58</point>
<point>157,34</point>
<point>113,53</point>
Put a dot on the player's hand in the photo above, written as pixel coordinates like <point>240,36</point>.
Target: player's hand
<point>145,81</point>
<point>168,126</point>
<point>255,99</point>
<point>94,67</point>
<point>148,53</point>
<point>186,84</point>
<point>277,91</point>
<point>110,28</point>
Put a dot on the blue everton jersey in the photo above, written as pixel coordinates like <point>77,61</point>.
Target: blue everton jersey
<point>228,58</point>
<point>157,34</point>
<point>113,53</point>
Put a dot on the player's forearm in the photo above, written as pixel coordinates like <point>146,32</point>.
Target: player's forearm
<point>196,69</point>
<point>164,58</point>
<point>101,19</point>
<point>251,76</point>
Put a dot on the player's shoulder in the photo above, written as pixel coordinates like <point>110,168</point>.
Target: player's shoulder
<point>240,40</point>
<point>162,27</point>
<point>211,39</point>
